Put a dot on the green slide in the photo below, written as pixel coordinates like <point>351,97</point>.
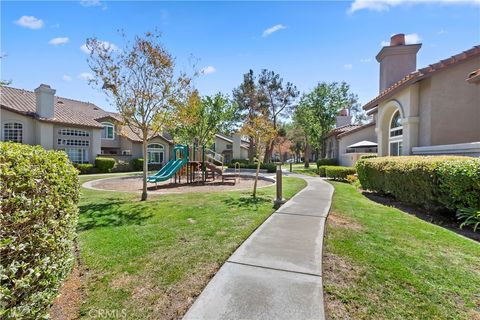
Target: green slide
<point>171,167</point>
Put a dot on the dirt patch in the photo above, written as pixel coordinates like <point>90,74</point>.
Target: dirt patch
<point>337,220</point>
<point>174,301</point>
<point>339,274</point>
<point>443,219</point>
<point>67,304</point>
<point>134,184</point>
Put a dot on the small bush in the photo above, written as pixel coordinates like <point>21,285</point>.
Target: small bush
<point>39,191</point>
<point>368,156</point>
<point>470,217</point>
<point>429,181</point>
<point>326,162</point>
<point>104,165</point>
<point>241,161</point>
<point>137,164</point>
<point>270,167</point>
<point>86,168</point>
<point>338,172</point>
<point>321,171</point>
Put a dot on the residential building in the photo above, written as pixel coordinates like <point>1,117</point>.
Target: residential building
<point>433,110</point>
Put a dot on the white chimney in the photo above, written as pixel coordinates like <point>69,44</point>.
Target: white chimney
<point>396,60</point>
<point>45,101</point>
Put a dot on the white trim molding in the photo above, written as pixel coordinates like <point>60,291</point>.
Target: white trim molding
<point>467,149</point>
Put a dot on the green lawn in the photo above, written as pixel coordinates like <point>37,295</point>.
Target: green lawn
<point>300,168</point>
<point>150,259</point>
<point>381,263</point>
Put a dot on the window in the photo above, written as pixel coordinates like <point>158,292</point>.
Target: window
<point>73,143</point>
<point>13,131</point>
<point>229,147</point>
<point>73,132</point>
<point>395,142</point>
<point>77,155</point>
<point>108,131</point>
<point>155,153</point>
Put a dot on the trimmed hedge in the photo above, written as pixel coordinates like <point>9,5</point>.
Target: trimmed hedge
<point>338,172</point>
<point>321,171</point>
<point>137,164</point>
<point>104,165</point>
<point>86,168</point>
<point>326,162</point>
<point>241,161</point>
<point>368,156</point>
<point>270,167</point>
<point>429,181</point>
<point>39,191</point>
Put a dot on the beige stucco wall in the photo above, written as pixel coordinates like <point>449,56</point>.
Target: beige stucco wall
<point>367,133</point>
<point>137,152</point>
<point>28,125</point>
<point>440,110</point>
<point>455,116</point>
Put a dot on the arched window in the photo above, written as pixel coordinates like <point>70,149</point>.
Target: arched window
<point>108,131</point>
<point>156,153</point>
<point>13,131</point>
<point>395,140</point>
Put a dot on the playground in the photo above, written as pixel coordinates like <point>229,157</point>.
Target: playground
<point>191,169</point>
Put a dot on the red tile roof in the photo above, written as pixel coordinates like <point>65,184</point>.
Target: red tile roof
<point>422,74</point>
<point>358,128</point>
<point>342,129</point>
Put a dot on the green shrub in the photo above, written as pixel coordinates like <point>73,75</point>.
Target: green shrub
<point>241,161</point>
<point>429,181</point>
<point>104,165</point>
<point>85,168</point>
<point>321,171</point>
<point>368,156</point>
<point>39,191</point>
<point>270,167</point>
<point>338,172</point>
<point>470,217</point>
<point>137,164</point>
<point>326,162</point>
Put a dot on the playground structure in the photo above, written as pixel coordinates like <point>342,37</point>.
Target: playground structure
<point>196,164</point>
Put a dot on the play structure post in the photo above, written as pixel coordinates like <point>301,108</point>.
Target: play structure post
<point>279,198</point>
<point>203,163</point>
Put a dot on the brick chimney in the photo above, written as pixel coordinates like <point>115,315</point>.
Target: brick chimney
<point>45,101</point>
<point>396,60</point>
<point>343,118</point>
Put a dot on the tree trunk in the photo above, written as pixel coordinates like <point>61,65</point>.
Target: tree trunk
<point>256,179</point>
<point>307,153</point>
<point>251,150</point>
<point>268,152</point>
<point>145,171</point>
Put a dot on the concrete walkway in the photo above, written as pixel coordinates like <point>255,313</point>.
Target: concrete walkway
<point>277,272</point>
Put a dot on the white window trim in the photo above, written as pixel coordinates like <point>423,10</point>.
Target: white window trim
<point>14,122</point>
<point>156,150</point>
<point>394,139</point>
<point>108,124</point>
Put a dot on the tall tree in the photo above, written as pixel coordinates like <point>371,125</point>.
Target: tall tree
<point>4,82</point>
<point>202,117</point>
<point>141,80</point>
<point>251,103</point>
<point>280,99</point>
<point>320,108</point>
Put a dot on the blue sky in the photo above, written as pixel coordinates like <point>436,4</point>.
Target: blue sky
<point>306,42</point>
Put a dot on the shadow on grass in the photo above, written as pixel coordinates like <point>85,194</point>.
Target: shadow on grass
<point>249,201</point>
<point>111,214</point>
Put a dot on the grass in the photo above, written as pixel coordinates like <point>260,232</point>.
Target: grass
<point>150,259</point>
<point>381,263</point>
<point>300,168</point>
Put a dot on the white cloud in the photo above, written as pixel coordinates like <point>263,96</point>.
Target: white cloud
<point>93,3</point>
<point>209,70</point>
<point>411,38</point>
<point>273,29</point>
<point>66,78</point>
<point>107,45</point>
<point>30,22</point>
<point>367,60</point>
<point>58,41</point>
<point>348,66</point>
<point>441,31</point>
<point>85,76</point>
<point>386,5</point>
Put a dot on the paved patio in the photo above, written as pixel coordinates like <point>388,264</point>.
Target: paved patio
<point>277,272</point>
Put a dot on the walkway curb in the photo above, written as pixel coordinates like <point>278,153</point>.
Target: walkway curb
<point>277,272</point>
